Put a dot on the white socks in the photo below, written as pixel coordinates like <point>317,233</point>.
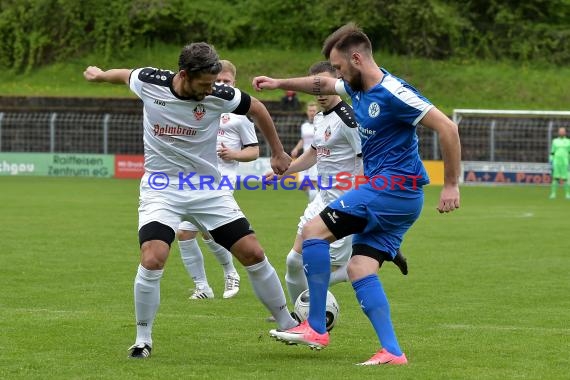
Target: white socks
<point>267,288</point>
<point>193,261</point>
<point>339,274</point>
<point>295,276</point>
<point>296,279</point>
<point>147,300</point>
<point>223,256</point>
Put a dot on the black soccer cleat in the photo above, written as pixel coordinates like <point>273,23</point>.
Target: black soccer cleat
<point>140,351</point>
<point>401,262</point>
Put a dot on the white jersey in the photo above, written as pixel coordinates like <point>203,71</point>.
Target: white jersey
<point>235,132</point>
<point>338,149</point>
<point>180,133</point>
<point>307,133</point>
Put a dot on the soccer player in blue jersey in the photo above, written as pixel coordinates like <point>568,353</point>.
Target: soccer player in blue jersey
<point>380,211</point>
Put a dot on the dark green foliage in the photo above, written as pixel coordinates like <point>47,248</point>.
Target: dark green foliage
<point>37,32</point>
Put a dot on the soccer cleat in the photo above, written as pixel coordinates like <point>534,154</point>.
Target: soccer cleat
<point>401,262</point>
<point>202,293</point>
<point>231,287</point>
<point>140,351</point>
<point>302,334</point>
<point>384,357</point>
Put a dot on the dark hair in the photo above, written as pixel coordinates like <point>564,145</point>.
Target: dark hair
<point>322,67</point>
<point>199,57</point>
<point>345,37</point>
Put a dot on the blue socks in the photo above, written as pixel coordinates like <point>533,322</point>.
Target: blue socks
<point>317,264</point>
<point>372,299</point>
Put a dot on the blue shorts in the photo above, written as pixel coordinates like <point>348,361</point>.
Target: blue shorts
<point>388,214</point>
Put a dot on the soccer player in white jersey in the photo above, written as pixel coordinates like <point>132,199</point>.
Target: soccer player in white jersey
<point>181,116</point>
<point>379,212</point>
<point>237,142</point>
<point>307,178</point>
<point>334,151</point>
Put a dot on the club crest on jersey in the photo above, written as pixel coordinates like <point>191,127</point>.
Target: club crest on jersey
<point>225,118</point>
<point>373,109</point>
<point>199,112</point>
<point>328,133</point>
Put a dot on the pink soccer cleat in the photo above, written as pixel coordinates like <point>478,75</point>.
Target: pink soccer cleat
<point>302,334</point>
<point>384,357</point>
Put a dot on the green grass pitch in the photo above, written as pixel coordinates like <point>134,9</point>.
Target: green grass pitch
<point>487,297</point>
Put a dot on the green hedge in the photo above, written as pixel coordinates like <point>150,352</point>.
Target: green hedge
<point>38,32</point>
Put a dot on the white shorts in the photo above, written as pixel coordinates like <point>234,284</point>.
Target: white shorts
<point>188,226</point>
<point>206,209</point>
<point>340,250</point>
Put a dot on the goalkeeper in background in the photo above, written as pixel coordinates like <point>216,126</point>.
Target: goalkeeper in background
<point>559,159</point>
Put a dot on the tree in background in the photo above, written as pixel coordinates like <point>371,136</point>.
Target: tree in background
<point>38,32</point>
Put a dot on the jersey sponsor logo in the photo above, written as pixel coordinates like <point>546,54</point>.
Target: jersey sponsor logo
<point>323,152</point>
<point>365,132</point>
<point>373,109</point>
<point>199,111</point>
<point>173,130</point>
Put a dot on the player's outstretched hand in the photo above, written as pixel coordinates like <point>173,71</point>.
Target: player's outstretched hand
<point>92,73</point>
<point>262,83</point>
<point>449,198</point>
<point>280,163</point>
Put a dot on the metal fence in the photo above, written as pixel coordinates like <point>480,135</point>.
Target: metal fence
<point>485,135</point>
<point>112,133</point>
<point>508,135</point>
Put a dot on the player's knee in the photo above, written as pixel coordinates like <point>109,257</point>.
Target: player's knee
<point>315,229</point>
<point>154,254</point>
<point>183,235</point>
<point>248,251</point>
<point>353,271</point>
<point>359,267</point>
<point>294,262</point>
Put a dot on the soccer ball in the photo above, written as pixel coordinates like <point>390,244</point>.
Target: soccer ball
<point>301,309</point>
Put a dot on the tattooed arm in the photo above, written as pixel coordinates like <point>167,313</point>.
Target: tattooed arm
<point>315,85</point>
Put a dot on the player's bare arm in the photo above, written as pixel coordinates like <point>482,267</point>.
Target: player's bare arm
<point>280,160</point>
<point>115,76</point>
<point>448,134</point>
<point>304,162</point>
<point>315,85</point>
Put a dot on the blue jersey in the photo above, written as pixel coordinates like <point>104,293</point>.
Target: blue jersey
<point>387,115</point>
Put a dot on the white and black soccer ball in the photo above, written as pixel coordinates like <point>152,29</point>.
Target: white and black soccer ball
<point>301,309</point>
